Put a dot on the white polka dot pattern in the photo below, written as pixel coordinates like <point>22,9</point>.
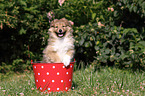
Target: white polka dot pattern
<point>71,66</point>
<point>53,67</point>
<point>42,66</point>
<point>57,73</point>
<point>47,73</point>
<point>66,88</point>
<point>53,78</point>
<point>57,88</point>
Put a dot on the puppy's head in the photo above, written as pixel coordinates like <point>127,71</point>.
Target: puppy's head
<point>60,28</point>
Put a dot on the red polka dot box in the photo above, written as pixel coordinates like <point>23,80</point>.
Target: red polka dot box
<point>53,77</point>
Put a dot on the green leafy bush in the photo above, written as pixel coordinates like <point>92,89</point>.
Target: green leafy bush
<point>117,40</point>
<point>106,32</point>
<point>111,45</point>
<point>23,26</point>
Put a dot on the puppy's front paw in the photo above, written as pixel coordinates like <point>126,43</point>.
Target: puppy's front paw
<point>66,60</point>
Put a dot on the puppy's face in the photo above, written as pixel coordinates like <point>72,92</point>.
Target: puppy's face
<point>60,28</point>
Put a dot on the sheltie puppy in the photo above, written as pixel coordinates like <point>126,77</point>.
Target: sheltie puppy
<point>60,46</point>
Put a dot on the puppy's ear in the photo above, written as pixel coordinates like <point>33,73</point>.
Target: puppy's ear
<point>53,22</point>
<point>71,23</point>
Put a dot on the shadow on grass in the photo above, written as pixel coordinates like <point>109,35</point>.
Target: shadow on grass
<point>74,86</point>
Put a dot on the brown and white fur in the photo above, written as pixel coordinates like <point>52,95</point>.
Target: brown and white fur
<point>60,46</point>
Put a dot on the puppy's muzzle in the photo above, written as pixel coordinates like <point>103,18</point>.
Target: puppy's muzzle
<point>60,33</point>
<point>60,30</point>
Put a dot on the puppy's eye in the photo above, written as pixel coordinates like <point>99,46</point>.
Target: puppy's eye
<point>56,26</point>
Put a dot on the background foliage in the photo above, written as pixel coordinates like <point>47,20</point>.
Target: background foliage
<point>106,32</point>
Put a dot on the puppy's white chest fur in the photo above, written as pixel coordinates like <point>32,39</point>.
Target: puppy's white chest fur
<point>61,46</point>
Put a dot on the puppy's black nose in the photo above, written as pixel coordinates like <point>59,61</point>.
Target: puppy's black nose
<point>60,30</point>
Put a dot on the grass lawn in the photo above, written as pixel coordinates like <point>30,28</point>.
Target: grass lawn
<point>86,82</point>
